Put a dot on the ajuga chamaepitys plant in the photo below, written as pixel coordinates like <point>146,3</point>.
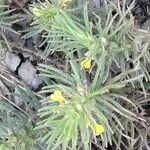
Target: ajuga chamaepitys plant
<point>77,110</point>
<point>90,100</point>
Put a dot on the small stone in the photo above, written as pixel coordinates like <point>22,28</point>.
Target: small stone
<point>28,74</point>
<point>12,61</point>
<point>37,40</point>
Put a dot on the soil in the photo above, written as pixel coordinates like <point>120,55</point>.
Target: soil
<point>23,55</point>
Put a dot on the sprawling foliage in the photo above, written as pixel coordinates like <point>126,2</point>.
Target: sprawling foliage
<point>16,125</point>
<point>85,104</point>
<point>90,101</point>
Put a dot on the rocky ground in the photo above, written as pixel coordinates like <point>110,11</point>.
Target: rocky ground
<point>19,57</point>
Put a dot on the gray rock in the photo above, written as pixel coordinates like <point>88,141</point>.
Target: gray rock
<point>8,59</point>
<point>13,35</point>
<point>12,61</point>
<point>28,74</point>
<point>37,40</point>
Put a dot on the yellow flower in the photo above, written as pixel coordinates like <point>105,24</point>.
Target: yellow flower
<point>36,11</point>
<point>57,96</point>
<point>99,129</point>
<point>86,63</point>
